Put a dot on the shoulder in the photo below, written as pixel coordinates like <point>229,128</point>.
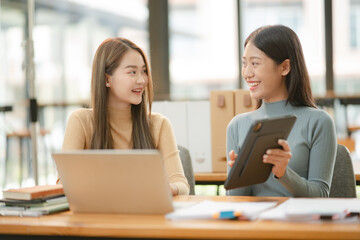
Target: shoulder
<point>159,121</point>
<point>315,119</point>
<point>242,120</point>
<point>82,115</point>
<point>162,130</point>
<point>317,115</point>
<point>158,117</point>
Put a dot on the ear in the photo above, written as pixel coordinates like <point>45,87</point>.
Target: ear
<point>285,67</point>
<point>108,79</point>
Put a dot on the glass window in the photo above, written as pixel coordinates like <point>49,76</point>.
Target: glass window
<point>66,35</point>
<point>203,47</point>
<point>346,32</point>
<point>346,25</point>
<point>12,77</point>
<point>355,24</point>
<point>305,17</point>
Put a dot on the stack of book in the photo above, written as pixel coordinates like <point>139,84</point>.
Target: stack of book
<point>33,201</point>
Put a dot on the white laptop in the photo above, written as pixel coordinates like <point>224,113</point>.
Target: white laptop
<point>114,181</point>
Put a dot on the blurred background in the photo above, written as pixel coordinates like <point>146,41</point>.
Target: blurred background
<point>194,47</point>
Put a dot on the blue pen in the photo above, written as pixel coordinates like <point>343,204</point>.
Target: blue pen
<point>227,215</point>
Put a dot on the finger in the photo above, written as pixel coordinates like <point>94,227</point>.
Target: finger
<point>284,144</point>
<point>278,153</point>
<point>231,163</point>
<point>232,155</point>
<point>277,161</point>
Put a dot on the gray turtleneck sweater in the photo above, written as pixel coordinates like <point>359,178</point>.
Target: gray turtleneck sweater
<point>312,142</point>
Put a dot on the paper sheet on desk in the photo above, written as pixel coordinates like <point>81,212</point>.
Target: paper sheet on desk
<point>207,209</point>
<point>310,209</point>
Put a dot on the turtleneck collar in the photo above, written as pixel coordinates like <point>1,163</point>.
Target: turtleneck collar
<point>276,108</point>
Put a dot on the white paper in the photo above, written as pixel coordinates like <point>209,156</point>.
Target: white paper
<point>312,209</point>
<point>207,209</point>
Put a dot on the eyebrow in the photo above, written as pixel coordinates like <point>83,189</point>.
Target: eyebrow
<point>133,66</point>
<point>252,58</point>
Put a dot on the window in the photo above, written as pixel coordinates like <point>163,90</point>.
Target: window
<point>355,24</point>
<point>203,47</point>
<point>66,35</point>
<point>305,17</point>
<point>346,25</point>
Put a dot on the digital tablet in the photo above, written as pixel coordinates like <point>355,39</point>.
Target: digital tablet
<point>264,134</point>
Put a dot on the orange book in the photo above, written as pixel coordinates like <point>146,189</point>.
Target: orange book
<point>35,192</point>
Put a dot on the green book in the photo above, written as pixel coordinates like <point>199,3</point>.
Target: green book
<point>32,211</point>
<point>38,203</point>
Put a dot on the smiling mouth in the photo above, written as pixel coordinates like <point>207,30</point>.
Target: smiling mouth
<point>137,90</point>
<point>253,84</point>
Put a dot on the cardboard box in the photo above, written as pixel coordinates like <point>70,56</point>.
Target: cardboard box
<point>224,105</point>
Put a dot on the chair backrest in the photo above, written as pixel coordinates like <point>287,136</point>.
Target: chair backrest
<point>343,182</point>
<point>187,166</point>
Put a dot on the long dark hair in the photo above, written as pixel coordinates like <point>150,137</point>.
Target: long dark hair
<point>107,59</point>
<point>280,43</point>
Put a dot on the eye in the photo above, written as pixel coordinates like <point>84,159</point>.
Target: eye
<point>255,63</point>
<point>132,72</point>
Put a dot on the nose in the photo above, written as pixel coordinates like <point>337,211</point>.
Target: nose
<point>141,79</point>
<point>247,72</point>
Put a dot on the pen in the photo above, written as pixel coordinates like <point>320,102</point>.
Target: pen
<point>227,215</point>
<point>336,216</point>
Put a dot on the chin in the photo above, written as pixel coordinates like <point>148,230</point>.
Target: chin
<point>136,102</point>
<point>255,96</point>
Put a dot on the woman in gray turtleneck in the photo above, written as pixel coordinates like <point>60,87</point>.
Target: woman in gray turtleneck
<point>273,65</point>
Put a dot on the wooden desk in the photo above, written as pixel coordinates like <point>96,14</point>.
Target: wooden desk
<point>219,178</point>
<point>210,178</point>
<point>157,227</point>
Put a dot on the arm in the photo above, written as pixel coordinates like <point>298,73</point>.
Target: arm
<point>322,143</point>
<point>232,150</point>
<point>170,153</point>
<point>75,135</point>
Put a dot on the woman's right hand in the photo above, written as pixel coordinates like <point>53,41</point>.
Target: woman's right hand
<point>233,157</point>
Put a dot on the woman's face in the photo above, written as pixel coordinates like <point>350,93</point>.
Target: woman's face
<point>128,81</point>
<point>265,78</point>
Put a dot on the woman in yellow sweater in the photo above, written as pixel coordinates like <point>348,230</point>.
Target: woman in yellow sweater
<point>120,117</point>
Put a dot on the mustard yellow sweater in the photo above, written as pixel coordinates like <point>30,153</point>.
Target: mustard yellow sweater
<point>79,131</point>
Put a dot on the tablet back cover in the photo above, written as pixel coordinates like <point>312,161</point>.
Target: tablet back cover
<point>249,168</point>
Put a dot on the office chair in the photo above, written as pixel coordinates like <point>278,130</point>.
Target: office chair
<point>187,166</point>
<point>343,182</point>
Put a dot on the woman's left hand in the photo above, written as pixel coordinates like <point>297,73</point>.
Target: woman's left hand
<point>174,189</point>
<point>279,158</point>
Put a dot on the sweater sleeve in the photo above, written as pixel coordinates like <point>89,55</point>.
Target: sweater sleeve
<point>170,153</point>
<point>232,132</point>
<point>322,141</point>
<point>75,136</point>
